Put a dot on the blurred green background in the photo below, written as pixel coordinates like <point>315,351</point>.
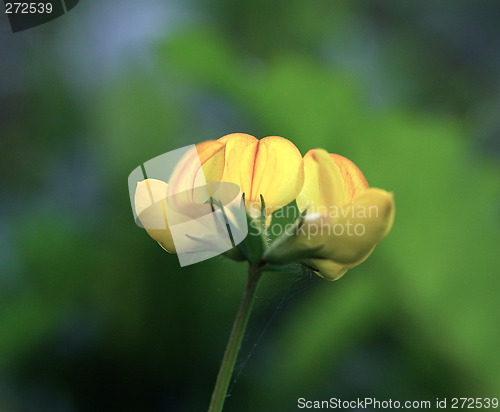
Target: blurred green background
<point>94,316</point>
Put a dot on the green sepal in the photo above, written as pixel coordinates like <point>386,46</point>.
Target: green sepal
<point>283,251</point>
<point>255,243</point>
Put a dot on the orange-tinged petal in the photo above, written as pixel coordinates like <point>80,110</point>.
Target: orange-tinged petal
<point>324,184</point>
<point>212,157</point>
<point>345,219</point>
<point>278,173</point>
<point>198,167</point>
<point>150,207</point>
<point>184,175</point>
<point>354,181</point>
<point>271,167</point>
<point>239,160</point>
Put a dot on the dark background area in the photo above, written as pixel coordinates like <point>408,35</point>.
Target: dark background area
<point>94,316</point>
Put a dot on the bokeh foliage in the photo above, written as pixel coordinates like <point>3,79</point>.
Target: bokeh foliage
<point>95,316</point>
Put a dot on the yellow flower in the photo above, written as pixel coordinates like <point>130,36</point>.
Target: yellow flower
<point>271,167</point>
<point>344,218</point>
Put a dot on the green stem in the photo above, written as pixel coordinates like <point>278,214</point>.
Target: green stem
<point>233,345</point>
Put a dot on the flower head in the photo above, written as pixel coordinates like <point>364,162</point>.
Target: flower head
<point>342,220</point>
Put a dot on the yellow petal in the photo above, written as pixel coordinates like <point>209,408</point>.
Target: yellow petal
<point>354,181</point>
<point>347,236</point>
<point>271,167</point>
<point>357,227</point>
<point>198,167</point>
<point>327,269</point>
<point>185,173</point>
<point>212,157</point>
<point>324,184</point>
<point>150,207</point>
<point>240,153</point>
<point>278,173</point>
